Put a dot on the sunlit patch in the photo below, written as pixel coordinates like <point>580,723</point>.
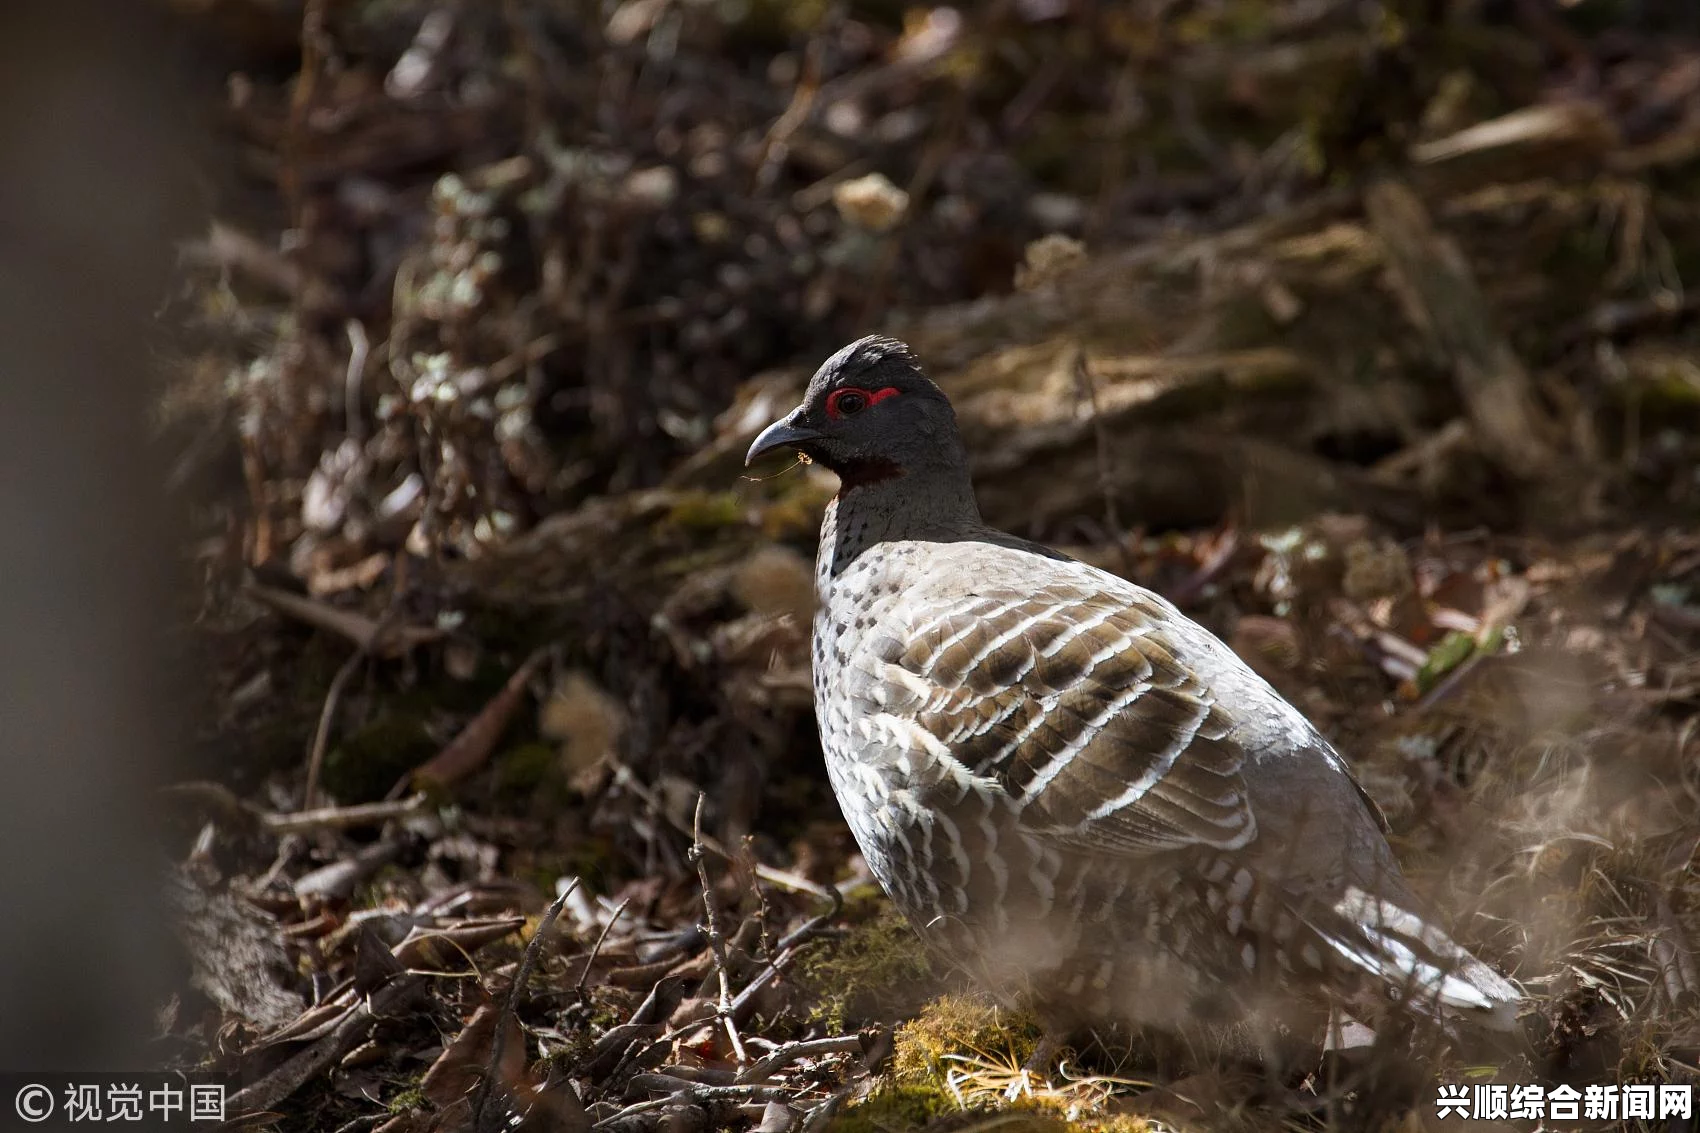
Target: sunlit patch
<point>989,1078</point>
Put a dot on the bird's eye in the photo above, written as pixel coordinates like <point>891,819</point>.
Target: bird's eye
<point>850,401</point>
<point>846,402</point>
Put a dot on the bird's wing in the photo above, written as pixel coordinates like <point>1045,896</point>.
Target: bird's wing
<point>1072,701</point>
<point>1119,727</point>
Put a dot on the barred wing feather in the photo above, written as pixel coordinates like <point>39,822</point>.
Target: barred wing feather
<point>1075,708</point>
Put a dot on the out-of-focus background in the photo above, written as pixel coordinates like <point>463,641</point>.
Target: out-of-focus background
<point>100,156</point>
<point>379,563</point>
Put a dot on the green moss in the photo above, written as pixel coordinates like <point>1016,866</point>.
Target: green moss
<point>707,510</point>
<point>971,1051</point>
<point>275,741</point>
<point>594,861</point>
<point>956,1025</point>
<point>437,696</point>
<point>389,883</point>
<point>866,902</point>
<point>1242,23</point>
<point>590,858</point>
<point>316,665</point>
<point>795,512</point>
<point>877,971</point>
<point>368,762</point>
<point>903,1107</point>
<point>507,632</point>
<point>1120,1123</point>
<point>779,20</point>
<point>1661,382</point>
<point>411,1098</point>
<point>894,1108</point>
<point>529,768</point>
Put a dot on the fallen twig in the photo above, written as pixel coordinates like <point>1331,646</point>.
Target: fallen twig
<point>337,880</point>
<point>527,961</point>
<point>322,733</point>
<point>822,1114</point>
<point>785,879</point>
<point>697,1093</point>
<point>372,638</point>
<point>584,976</point>
<point>344,817</point>
<point>380,637</point>
<point>745,998</point>
<point>790,1052</point>
<point>1446,302</point>
<point>716,942</point>
<point>472,746</point>
<point>324,1053</point>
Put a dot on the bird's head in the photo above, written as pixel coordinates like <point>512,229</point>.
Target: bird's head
<point>869,414</point>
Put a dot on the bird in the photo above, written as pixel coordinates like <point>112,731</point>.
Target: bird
<point>1068,787</point>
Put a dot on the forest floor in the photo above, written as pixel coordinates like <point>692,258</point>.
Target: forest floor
<point>1359,331</point>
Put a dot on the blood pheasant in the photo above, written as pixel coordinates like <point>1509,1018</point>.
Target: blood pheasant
<point>1067,785</point>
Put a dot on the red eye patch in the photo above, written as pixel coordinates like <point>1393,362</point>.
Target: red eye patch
<point>848,402</point>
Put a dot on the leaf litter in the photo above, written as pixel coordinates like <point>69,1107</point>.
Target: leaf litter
<point>1388,384</point>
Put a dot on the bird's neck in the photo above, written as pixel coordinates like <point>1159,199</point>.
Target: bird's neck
<point>936,506</point>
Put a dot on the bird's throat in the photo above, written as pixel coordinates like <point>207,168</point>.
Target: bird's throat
<point>894,507</point>
<point>866,472</point>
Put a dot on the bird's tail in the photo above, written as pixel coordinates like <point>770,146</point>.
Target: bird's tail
<point>1415,961</point>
